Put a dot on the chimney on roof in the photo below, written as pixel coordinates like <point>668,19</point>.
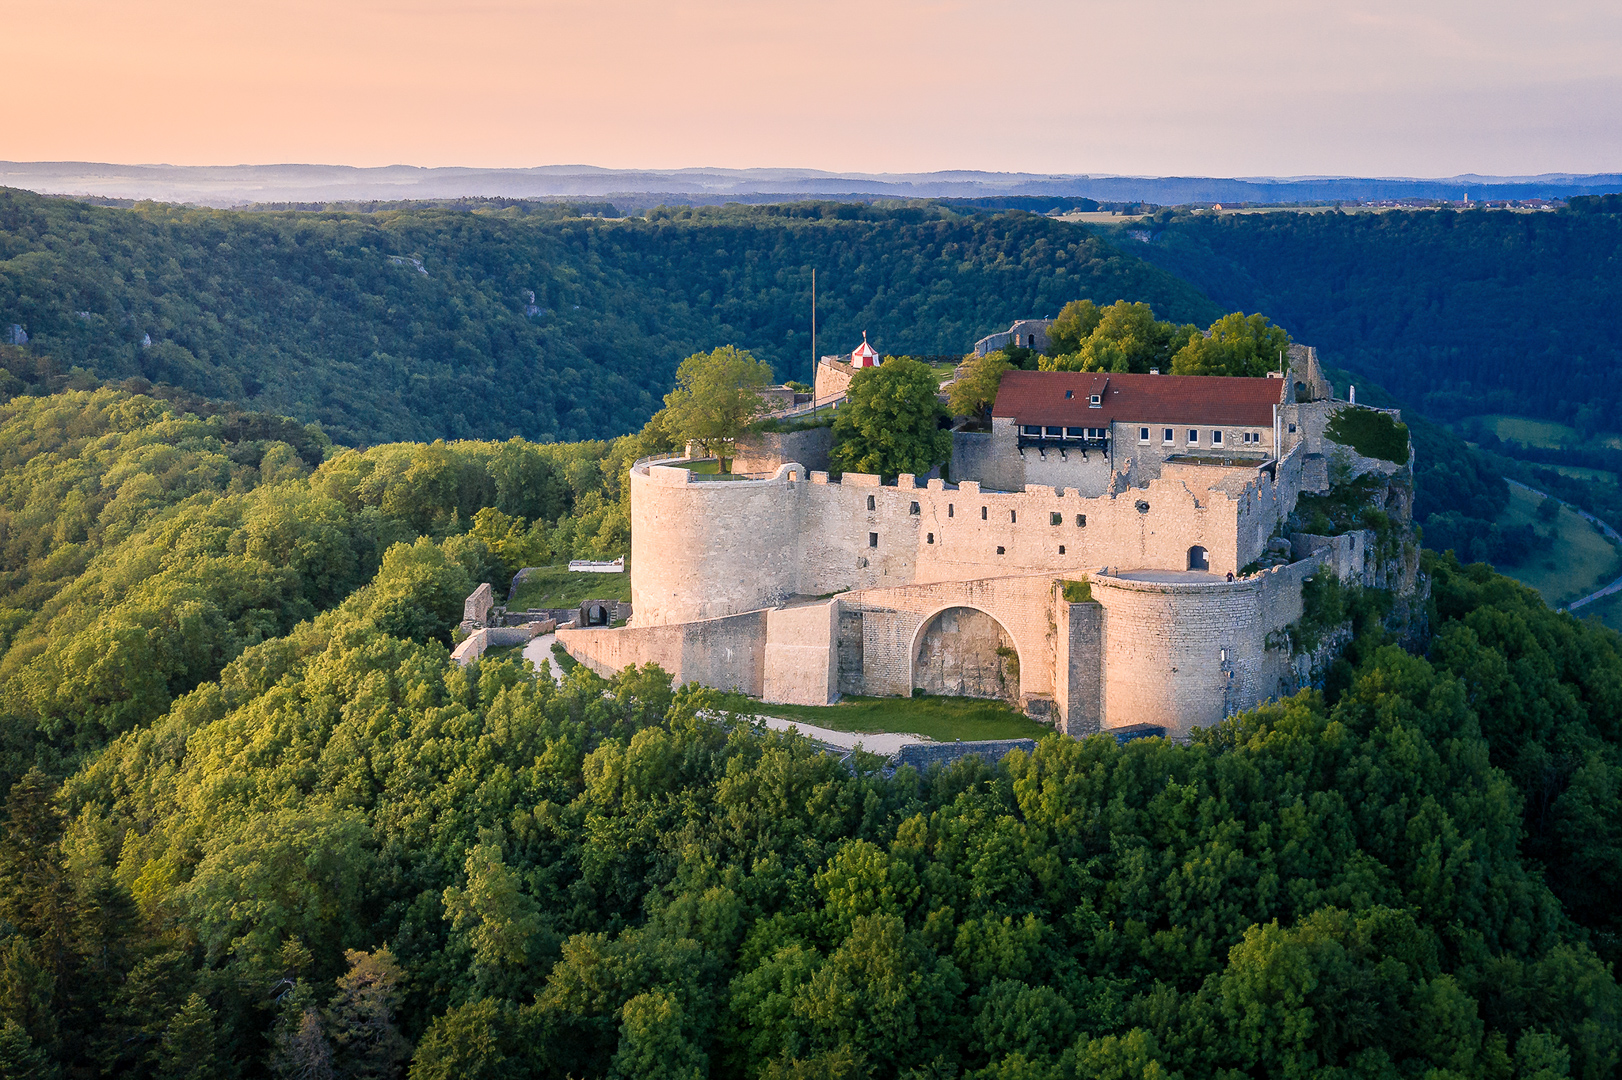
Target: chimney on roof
<point>1154,371</point>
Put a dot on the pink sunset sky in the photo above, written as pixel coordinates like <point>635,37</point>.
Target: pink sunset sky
<point>1420,88</point>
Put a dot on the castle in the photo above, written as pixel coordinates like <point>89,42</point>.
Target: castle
<point>1113,552</point>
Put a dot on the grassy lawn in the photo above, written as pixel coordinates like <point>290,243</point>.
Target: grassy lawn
<point>1521,429</point>
<point>557,587</point>
<point>1581,472</point>
<point>943,719</point>
<point>1580,561</point>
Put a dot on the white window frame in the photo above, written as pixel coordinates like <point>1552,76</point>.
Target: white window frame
<point>1193,436</point>
<point>1143,434</point>
<point>1169,437</point>
<point>1216,437</point>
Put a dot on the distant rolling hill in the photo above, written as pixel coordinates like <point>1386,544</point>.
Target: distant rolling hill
<point>522,319</point>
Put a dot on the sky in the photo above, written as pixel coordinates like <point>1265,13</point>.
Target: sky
<point>1148,87</point>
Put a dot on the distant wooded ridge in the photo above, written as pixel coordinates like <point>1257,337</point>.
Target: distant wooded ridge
<point>237,185</point>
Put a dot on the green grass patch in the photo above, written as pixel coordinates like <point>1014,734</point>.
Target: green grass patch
<point>1525,430</point>
<point>558,587</point>
<point>1078,592</point>
<point>565,661</point>
<point>1372,434</point>
<point>944,719</point>
<point>1580,560</point>
<point>776,424</point>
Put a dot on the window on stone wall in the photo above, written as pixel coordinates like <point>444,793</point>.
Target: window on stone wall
<point>999,551</point>
<point>1292,429</point>
<point>1081,521</point>
<point>1216,438</point>
<point>1193,436</point>
<point>1055,519</point>
<point>1143,434</point>
<point>982,513</point>
<point>872,503</point>
<point>1168,437</point>
<point>951,510</point>
<point>914,509</point>
<point>1061,549</point>
<point>872,539</point>
<point>930,538</point>
<point>1013,518</point>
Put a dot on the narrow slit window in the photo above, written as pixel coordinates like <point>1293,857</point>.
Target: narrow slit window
<point>930,539</point>
<point>951,510</point>
<point>872,539</point>
<point>914,509</point>
<point>982,513</point>
<point>1061,549</point>
<point>1013,517</point>
<point>872,503</point>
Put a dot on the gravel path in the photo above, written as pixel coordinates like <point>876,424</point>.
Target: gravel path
<point>539,650</point>
<point>885,743</point>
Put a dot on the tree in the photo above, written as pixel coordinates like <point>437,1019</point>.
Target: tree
<point>1125,338</point>
<point>189,1050</point>
<point>891,422</point>
<point>1075,324</point>
<point>975,389</point>
<point>1235,344</point>
<point>369,1045</point>
<point>715,399</point>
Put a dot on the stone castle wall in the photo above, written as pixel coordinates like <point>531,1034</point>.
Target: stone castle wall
<point>1185,654</point>
<point>706,548</point>
<point>764,451</point>
<point>727,653</point>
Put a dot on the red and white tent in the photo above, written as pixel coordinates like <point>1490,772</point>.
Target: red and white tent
<point>865,354</point>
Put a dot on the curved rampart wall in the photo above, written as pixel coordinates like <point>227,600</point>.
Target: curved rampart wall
<point>701,549</point>
<point>1186,655</point>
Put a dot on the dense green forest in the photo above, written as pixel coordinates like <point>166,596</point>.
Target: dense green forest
<point>422,323</point>
<point>1456,313</point>
<point>259,824</point>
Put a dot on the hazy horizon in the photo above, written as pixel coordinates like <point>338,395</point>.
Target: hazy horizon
<point>1151,88</point>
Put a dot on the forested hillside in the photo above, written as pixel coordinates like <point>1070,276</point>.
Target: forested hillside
<point>260,825</point>
<point>1455,313</point>
<point>421,323</point>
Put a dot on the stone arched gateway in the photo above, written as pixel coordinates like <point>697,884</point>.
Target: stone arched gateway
<point>963,651</point>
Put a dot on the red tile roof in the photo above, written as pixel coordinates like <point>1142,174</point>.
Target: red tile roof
<point>1037,397</point>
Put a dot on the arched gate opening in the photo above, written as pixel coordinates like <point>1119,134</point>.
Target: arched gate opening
<point>964,652</point>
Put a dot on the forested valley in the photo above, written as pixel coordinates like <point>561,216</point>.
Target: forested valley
<point>260,825</point>
<point>522,319</point>
<point>1456,313</point>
